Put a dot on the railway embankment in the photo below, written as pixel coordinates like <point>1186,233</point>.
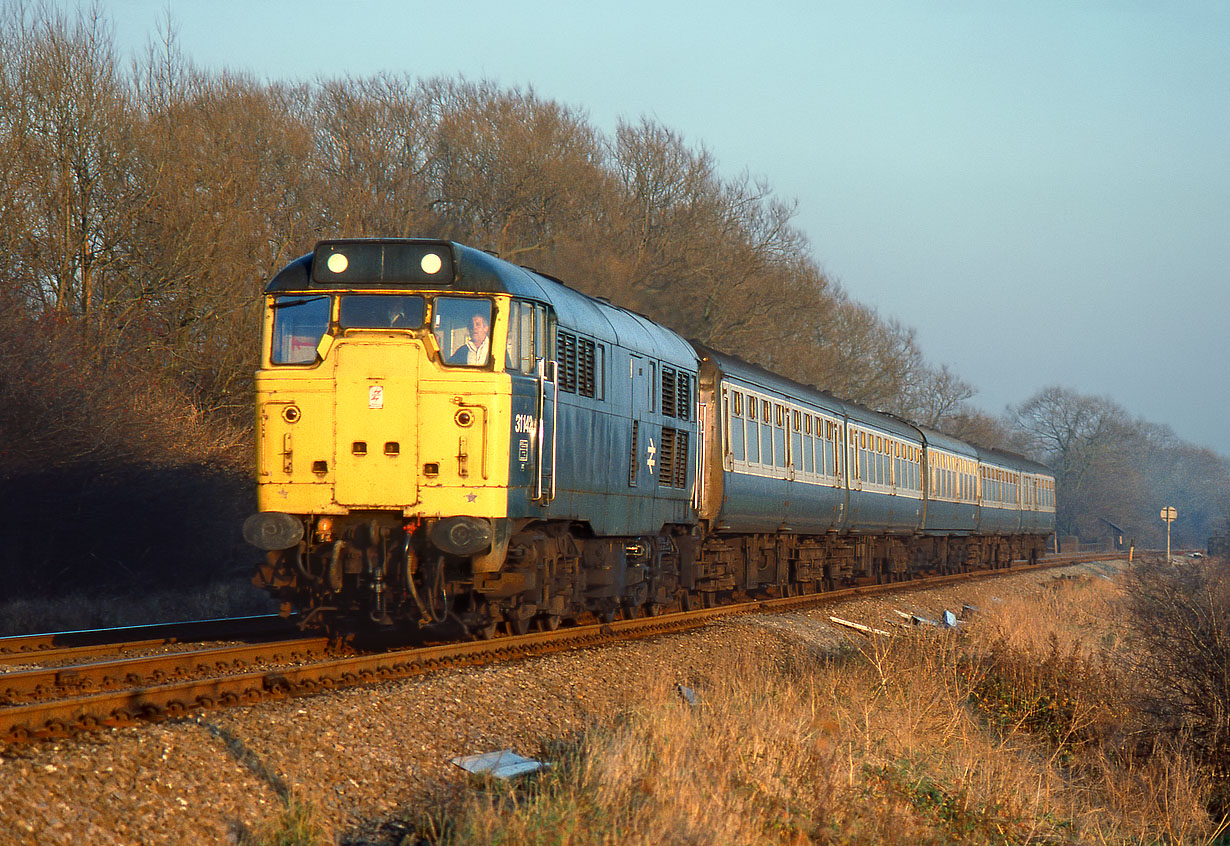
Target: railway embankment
<point>1014,726</point>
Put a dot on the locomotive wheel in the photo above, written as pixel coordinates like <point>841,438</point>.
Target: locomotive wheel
<point>548,622</point>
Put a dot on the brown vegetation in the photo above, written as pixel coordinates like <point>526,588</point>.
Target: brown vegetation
<point>1113,469</point>
<point>1016,731</point>
<point>1181,622</point>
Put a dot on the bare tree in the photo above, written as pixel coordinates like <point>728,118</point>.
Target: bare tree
<point>64,132</point>
<point>508,169</point>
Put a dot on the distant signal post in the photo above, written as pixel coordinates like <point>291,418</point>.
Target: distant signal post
<point>1169,515</point>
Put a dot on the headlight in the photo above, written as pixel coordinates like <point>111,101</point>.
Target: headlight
<point>461,535</point>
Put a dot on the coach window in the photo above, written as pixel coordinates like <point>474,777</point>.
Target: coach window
<point>766,433</point>
<point>832,458</point>
<point>737,432</point>
<point>298,325</point>
<point>753,431</point>
<point>779,436</point>
<point>796,442</point>
<point>829,464</point>
<point>809,446</point>
<point>817,443</point>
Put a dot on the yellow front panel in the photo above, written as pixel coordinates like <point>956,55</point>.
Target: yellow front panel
<point>376,420</point>
<point>294,434</point>
<point>379,424</point>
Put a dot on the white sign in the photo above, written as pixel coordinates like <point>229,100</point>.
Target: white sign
<point>375,396</point>
<point>1170,514</point>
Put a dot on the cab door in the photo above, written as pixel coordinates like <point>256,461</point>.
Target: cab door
<point>547,420</point>
<point>645,431</point>
<point>547,407</point>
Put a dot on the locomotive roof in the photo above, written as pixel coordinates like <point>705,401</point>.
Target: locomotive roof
<point>449,267</point>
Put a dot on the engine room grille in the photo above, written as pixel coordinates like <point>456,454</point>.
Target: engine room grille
<point>576,361</point>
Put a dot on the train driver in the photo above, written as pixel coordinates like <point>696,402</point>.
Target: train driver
<point>479,345</point>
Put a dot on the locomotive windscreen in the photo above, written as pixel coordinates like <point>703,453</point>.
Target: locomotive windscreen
<point>346,263</point>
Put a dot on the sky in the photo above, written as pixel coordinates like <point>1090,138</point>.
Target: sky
<point>1040,188</point>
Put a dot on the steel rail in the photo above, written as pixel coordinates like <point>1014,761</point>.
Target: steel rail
<point>43,682</point>
<point>18,647</point>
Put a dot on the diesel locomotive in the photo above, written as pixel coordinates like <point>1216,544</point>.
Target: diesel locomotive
<point>446,439</point>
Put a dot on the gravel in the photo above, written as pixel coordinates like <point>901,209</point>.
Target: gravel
<point>361,754</point>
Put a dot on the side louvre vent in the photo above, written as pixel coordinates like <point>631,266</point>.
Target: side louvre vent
<point>666,457</point>
<point>674,457</point>
<point>668,391</point>
<point>681,460</point>
<point>566,356</point>
<point>685,397</point>
<point>585,367</point>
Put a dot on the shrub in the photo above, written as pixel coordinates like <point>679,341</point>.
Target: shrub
<point>1180,616</point>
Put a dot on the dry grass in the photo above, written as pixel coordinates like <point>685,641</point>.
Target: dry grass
<point>888,741</point>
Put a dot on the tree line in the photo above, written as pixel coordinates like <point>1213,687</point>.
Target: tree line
<point>144,203</point>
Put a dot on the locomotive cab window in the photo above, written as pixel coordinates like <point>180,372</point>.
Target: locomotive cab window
<point>380,311</point>
<point>298,325</point>
<point>462,326</point>
<point>529,328</point>
<point>519,351</point>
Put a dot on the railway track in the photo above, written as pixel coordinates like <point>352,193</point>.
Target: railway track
<point>77,693</point>
<point>45,645</point>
